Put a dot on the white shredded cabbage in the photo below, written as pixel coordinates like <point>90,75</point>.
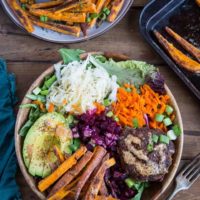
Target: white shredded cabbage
<point>80,85</point>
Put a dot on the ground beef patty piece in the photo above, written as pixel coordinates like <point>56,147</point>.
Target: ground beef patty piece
<point>139,163</point>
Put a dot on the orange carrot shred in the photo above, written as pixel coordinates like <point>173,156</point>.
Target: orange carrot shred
<point>51,107</point>
<point>130,104</point>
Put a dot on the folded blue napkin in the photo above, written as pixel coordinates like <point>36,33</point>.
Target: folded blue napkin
<point>8,163</point>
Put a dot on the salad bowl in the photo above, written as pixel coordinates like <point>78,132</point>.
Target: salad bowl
<point>155,191</point>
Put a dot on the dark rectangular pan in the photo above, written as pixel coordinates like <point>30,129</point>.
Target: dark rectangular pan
<point>156,15</point>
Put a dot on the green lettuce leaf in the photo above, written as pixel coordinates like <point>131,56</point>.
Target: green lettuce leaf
<point>130,71</point>
<point>69,55</point>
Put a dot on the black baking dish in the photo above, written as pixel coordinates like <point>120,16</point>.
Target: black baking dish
<point>156,15</point>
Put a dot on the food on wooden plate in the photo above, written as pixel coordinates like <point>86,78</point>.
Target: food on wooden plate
<point>66,17</point>
<point>85,119</point>
<point>180,58</point>
<point>185,44</point>
<point>146,153</point>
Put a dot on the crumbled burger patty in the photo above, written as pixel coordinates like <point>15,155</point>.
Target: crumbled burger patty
<point>138,161</point>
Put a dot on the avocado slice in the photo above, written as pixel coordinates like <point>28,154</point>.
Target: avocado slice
<point>49,130</point>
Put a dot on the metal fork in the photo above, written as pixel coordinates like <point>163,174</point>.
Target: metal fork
<point>187,176</point>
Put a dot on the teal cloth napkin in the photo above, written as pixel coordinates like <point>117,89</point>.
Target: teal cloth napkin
<point>8,163</point>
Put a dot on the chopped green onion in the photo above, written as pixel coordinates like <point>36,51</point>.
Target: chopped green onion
<point>116,118</point>
<point>94,15</point>
<point>75,145</point>
<point>159,117</point>
<point>43,18</point>
<point>128,89</point>
<point>68,150</point>
<point>177,130</point>
<point>106,11</point>
<point>109,114</point>
<point>129,182</point>
<point>155,138</point>
<point>164,139</point>
<point>28,105</point>
<point>167,121</point>
<point>31,96</point>
<point>70,119</point>
<point>36,91</point>
<point>150,147</point>
<point>44,92</point>
<point>50,81</point>
<point>103,16</point>
<point>106,102</point>
<point>171,135</point>
<point>88,19</point>
<point>135,123</point>
<point>169,110</point>
<point>23,6</point>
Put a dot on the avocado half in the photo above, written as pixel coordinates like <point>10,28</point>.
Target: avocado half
<point>49,130</point>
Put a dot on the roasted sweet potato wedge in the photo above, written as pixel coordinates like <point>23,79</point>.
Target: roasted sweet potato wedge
<point>184,43</point>
<point>198,2</point>
<point>86,7</point>
<point>68,17</point>
<point>96,182</point>
<point>115,9</point>
<point>64,167</point>
<point>70,5</point>
<point>180,58</point>
<point>21,15</point>
<point>99,153</point>
<point>60,28</point>
<point>71,174</point>
<point>48,4</point>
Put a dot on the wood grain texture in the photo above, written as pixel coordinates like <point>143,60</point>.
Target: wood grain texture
<point>29,57</point>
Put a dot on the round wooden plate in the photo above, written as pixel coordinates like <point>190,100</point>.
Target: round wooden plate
<point>156,189</point>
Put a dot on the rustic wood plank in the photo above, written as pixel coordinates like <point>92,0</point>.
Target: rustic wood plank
<point>17,45</point>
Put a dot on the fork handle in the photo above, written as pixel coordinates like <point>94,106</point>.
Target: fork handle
<point>172,195</point>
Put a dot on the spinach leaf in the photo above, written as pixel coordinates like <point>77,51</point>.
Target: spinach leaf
<point>69,55</point>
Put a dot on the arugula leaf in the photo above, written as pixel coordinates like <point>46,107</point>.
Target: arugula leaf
<point>34,114</point>
<point>139,186</point>
<point>69,55</point>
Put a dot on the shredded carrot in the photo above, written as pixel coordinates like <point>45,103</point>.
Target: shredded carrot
<point>100,108</point>
<point>51,107</point>
<point>40,104</point>
<point>130,104</point>
<point>64,102</point>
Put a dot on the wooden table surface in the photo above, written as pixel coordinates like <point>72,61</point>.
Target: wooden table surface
<point>28,57</point>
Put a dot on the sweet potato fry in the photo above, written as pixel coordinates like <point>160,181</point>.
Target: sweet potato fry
<point>99,7</point>
<point>181,59</point>
<point>71,174</point>
<point>103,189</point>
<point>21,15</point>
<point>102,197</point>
<point>48,4</point>
<point>99,153</point>
<point>87,184</point>
<point>60,28</point>
<point>198,2</point>
<point>107,3</point>
<point>98,179</point>
<point>86,7</point>
<point>64,191</point>
<point>184,43</point>
<point>68,17</point>
<point>66,6</point>
<point>64,167</point>
<point>115,9</point>
<point>58,154</point>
